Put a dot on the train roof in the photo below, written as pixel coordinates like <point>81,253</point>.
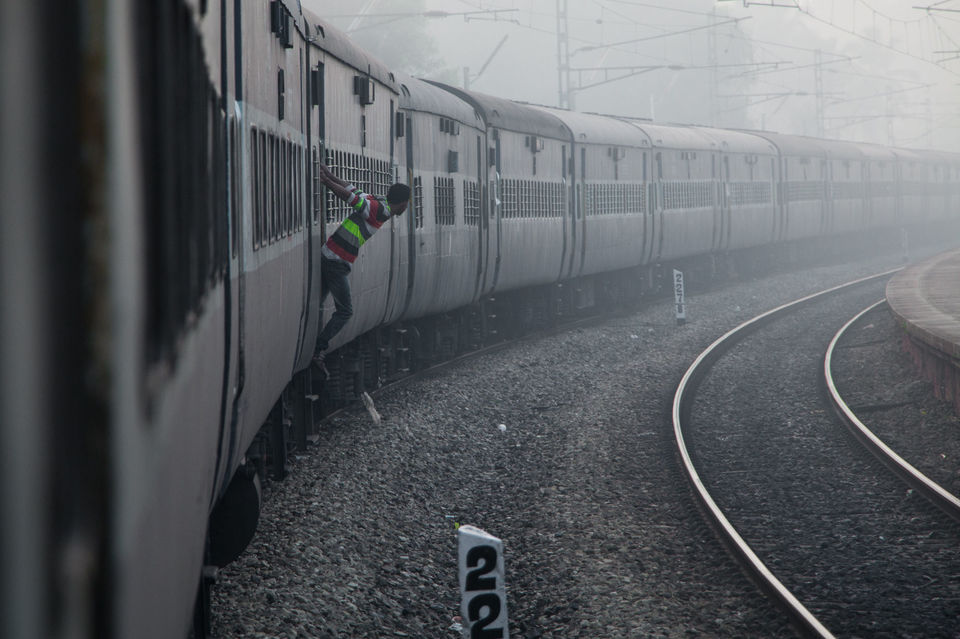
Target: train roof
<point>673,136</point>
<point>843,149</point>
<point>593,128</point>
<point>738,141</point>
<point>877,153</point>
<point>338,44</point>
<point>511,116</point>
<point>417,95</point>
<point>939,157</point>
<point>793,145</point>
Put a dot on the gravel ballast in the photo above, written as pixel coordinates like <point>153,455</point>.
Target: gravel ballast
<point>601,539</point>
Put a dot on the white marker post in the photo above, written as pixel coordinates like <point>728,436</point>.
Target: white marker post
<point>678,297</point>
<point>483,595</point>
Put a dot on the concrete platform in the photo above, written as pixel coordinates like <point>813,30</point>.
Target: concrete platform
<point>925,299</point>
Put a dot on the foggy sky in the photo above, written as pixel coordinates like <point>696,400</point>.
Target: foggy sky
<point>780,99</point>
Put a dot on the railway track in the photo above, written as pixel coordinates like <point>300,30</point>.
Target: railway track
<point>837,541</point>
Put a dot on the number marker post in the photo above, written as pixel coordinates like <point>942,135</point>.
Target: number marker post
<point>678,297</point>
<point>483,596</point>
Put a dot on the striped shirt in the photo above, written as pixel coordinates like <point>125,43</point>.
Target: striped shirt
<point>368,215</point>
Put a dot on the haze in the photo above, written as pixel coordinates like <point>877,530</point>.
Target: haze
<point>885,72</point>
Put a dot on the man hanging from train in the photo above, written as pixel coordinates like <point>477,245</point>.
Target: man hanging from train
<point>369,213</point>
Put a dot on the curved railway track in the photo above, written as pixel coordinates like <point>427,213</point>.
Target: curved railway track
<point>833,540</point>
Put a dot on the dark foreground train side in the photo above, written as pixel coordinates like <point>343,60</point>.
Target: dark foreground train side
<point>159,254</point>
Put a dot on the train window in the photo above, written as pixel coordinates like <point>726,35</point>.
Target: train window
<point>281,193</point>
<point>277,219</point>
<point>560,200</point>
<point>254,183</point>
<point>331,161</point>
<point>261,181</point>
<point>418,202</point>
<point>291,188</point>
<point>266,192</point>
<point>747,193</point>
<point>290,185</point>
<point>282,187</point>
<point>274,191</point>
<point>315,185</point>
<point>234,189</point>
<point>295,188</point>
<point>282,183</point>
<point>258,184</point>
<point>444,200</point>
<point>382,177</point>
<point>471,203</point>
<point>265,187</point>
<point>299,208</point>
<point>508,198</point>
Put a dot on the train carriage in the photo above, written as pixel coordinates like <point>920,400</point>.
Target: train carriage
<point>359,102</point>
<point>445,154</point>
<point>801,179</point>
<point>175,268</point>
<point>944,175</point>
<point>746,172</point>
<point>880,186</point>
<point>527,151</point>
<point>608,170</point>
<point>165,302</point>
<point>845,186</point>
<point>274,240</point>
<point>913,180</point>
<point>685,208</point>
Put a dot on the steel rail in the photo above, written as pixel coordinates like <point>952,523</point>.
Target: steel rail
<point>940,497</point>
<point>682,400</point>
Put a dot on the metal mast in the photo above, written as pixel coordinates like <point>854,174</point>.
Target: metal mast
<point>565,100</point>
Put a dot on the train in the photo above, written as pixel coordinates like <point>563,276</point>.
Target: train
<point>160,255</point>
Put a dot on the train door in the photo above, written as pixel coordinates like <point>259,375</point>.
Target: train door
<point>482,223</point>
<point>395,289</point>
<point>495,204</point>
<point>785,197</point>
<point>657,208</point>
<point>564,159</point>
<point>239,141</point>
<point>302,162</point>
<point>826,201</point>
<point>580,225</point>
<point>409,136</point>
<point>775,195</point>
<point>647,242</point>
<point>721,184</point>
<point>573,207</point>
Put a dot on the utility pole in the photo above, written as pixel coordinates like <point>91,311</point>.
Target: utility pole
<point>891,139</point>
<point>818,90</point>
<point>714,70</point>
<point>565,99</point>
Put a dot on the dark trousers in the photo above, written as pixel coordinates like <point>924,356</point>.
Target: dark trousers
<point>333,278</point>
